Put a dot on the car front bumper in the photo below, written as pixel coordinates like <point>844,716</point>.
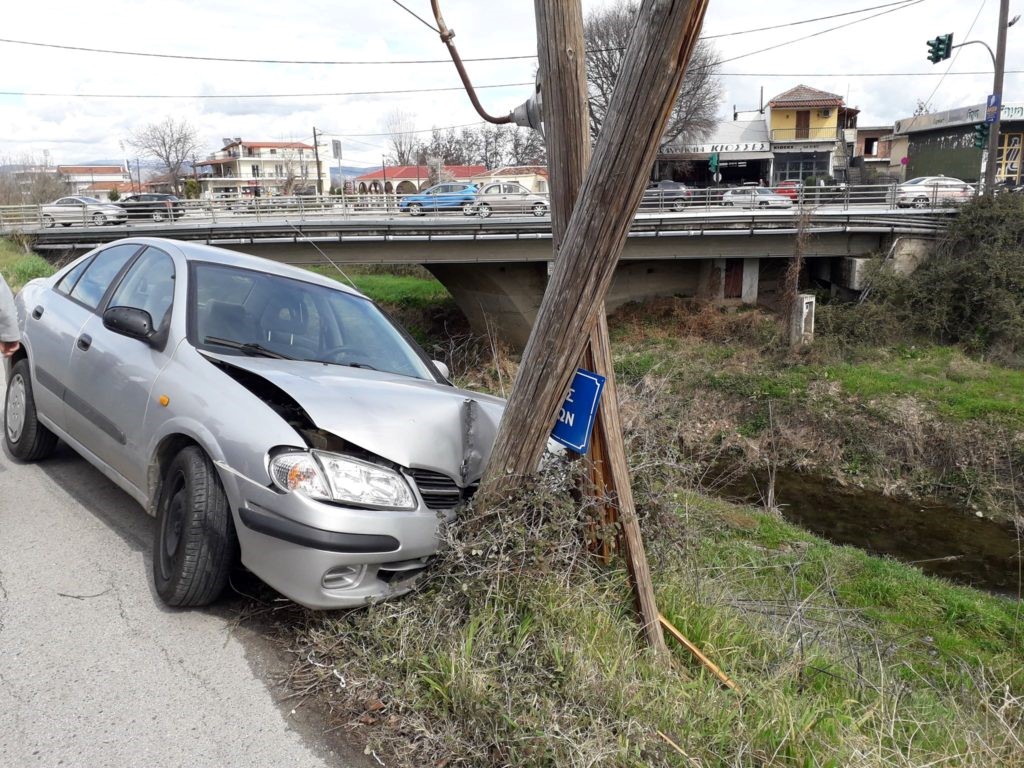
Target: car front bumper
<point>327,556</point>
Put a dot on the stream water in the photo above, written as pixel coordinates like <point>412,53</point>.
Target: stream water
<point>938,538</point>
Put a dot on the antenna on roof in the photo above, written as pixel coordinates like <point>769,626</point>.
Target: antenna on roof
<point>760,104</point>
<point>226,140</point>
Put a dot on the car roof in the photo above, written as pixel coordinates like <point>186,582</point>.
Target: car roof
<point>200,252</point>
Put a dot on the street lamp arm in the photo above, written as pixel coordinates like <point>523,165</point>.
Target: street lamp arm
<point>446,37</point>
<point>979,42</point>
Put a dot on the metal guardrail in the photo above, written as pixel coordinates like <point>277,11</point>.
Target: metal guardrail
<point>342,208</point>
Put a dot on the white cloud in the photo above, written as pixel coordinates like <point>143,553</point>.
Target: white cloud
<point>77,129</point>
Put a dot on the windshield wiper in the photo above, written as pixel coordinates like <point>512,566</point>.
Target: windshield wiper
<point>250,348</point>
<point>347,365</point>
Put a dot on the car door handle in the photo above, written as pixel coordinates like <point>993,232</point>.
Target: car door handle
<point>84,341</point>
<point>37,312</point>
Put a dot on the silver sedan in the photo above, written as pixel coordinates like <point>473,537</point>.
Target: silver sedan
<point>259,411</point>
<point>82,211</point>
<point>511,198</point>
<point>755,197</point>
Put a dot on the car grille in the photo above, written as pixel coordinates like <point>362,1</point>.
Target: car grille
<point>440,491</point>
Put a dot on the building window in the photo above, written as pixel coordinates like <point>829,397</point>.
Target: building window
<point>273,151</point>
<point>279,170</point>
<point>871,147</point>
<point>255,171</point>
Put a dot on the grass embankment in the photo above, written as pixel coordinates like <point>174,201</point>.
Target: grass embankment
<point>18,267</point>
<point>520,650</point>
<point>914,420</point>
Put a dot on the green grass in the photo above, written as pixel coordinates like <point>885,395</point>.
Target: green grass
<point>406,291</point>
<point>18,268</point>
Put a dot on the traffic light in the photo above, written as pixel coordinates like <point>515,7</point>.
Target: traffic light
<point>981,135</point>
<point>713,162</point>
<point>940,48</point>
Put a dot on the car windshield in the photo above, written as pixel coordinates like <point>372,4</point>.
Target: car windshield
<point>918,180</point>
<point>91,200</point>
<point>242,311</point>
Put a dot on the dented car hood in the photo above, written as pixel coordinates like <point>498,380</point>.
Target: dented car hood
<point>415,423</point>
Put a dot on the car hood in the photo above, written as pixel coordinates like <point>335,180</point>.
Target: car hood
<point>417,424</point>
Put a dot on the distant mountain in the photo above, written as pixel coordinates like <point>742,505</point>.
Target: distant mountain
<point>345,172</point>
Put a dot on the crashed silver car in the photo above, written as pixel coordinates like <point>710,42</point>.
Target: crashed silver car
<point>257,410</point>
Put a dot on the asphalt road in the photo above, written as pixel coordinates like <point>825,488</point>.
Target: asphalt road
<point>95,672</point>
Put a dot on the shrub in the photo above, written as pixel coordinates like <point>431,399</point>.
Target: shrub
<point>113,195</point>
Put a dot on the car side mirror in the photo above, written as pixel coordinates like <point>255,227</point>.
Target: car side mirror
<point>442,368</point>
<point>130,321</point>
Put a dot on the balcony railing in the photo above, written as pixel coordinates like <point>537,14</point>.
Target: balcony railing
<point>804,134</point>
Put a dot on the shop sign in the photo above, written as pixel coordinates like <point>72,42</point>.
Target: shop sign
<point>705,149</point>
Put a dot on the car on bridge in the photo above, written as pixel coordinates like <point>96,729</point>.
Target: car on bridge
<point>663,194</point>
<point>76,209</point>
<point>755,197</point>
<point>453,196</point>
<point>932,191</point>
<point>510,197</point>
<point>259,411</point>
<point>152,205</point>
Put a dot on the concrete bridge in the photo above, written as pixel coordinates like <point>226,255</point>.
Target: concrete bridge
<point>496,269</point>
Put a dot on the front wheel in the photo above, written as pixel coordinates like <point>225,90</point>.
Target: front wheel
<point>47,221</point>
<point>484,210</point>
<point>468,208</point>
<point>678,204</point>
<point>920,202</point>
<point>26,438</point>
<point>99,219</point>
<point>539,209</point>
<point>415,209</point>
<point>159,216</point>
<point>194,545</point>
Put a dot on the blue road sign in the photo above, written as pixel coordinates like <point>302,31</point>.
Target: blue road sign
<point>992,108</point>
<point>576,419</point>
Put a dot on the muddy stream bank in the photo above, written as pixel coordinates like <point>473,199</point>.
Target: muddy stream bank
<point>940,539</point>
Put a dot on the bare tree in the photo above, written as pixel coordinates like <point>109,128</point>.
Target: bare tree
<point>526,147</point>
<point>606,32</point>
<point>171,142</point>
<point>399,125</point>
<point>29,182</point>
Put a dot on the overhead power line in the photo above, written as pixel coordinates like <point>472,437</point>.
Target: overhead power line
<point>249,95</point>
<point>399,62</point>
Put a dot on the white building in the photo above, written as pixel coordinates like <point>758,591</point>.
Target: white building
<point>261,169</point>
<point>87,179</point>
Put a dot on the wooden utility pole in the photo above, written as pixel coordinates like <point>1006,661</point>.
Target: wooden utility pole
<point>560,49</point>
<point>997,89</point>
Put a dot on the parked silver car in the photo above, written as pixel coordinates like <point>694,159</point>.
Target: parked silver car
<point>510,197</point>
<point>256,409</point>
<point>755,197</point>
<point>81,210</point>
<point>932,191</point>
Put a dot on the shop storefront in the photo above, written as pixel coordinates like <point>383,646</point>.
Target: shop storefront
<point>797,162</point>
<point>741,148</point>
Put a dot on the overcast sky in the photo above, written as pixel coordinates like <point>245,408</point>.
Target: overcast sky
<point>83,128</point>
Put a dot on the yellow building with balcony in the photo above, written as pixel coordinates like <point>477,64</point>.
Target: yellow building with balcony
<point>807,129</point>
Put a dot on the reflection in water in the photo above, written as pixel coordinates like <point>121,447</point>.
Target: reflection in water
<point>940,539</point>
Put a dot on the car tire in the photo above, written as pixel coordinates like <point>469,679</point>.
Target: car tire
<point>415,209</point>
<point>762,205</point>
<point>539,209</point>
<point>483,210</point>
<point>468,208</point>
<point>194,544</point>
<point>48,221</point>
<point>678,204</point>
<point>920,202</point>
<point>159,216</point>
<point>99,219</point>
<point>26,438</point>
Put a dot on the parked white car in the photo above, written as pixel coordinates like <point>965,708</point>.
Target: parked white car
<point>932,191</point>
<point>82,211</point>
<point>755,197</point>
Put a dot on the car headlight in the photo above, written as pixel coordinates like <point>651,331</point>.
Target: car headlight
<point>333,477</point>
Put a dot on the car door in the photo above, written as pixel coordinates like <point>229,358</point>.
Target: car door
<point>491,196</point>
<point>55,323</point>
<point>445,197</point>
<point>70,210</point>
<point>514,198</point>
<point>114,374</point>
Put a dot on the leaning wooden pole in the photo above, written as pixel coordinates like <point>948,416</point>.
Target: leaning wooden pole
<point>652,72</point>
<point>560,49</point>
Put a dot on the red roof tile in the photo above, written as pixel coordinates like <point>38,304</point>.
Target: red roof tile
<point>517,170</point>
<point>805,96</point>
<point>270,144</point>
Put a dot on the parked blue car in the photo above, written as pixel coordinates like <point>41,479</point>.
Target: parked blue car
<point>450,196</point>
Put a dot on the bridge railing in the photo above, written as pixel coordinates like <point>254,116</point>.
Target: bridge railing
<point>302,208</point>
